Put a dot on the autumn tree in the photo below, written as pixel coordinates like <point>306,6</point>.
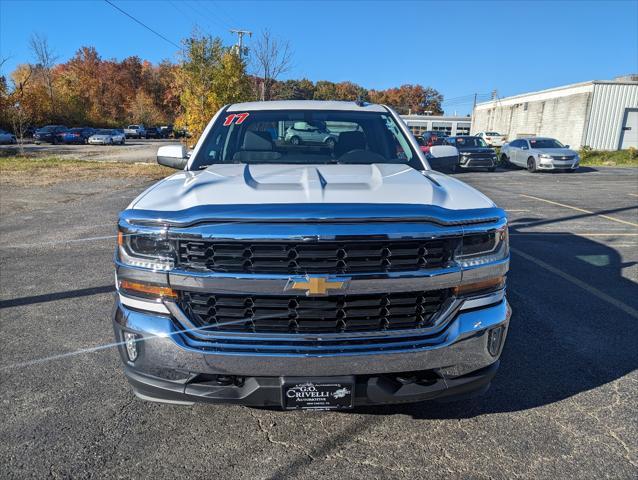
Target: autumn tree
<point>302,89</point>
<point>208,77</point>
<point>414,99</point>
<point>325,90</point>
<point>144,111</point>
<point>350,91</point>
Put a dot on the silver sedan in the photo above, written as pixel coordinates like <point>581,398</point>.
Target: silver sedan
<point>540,153</point>
<point>107,137</point>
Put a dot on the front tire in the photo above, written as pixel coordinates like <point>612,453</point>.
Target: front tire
<point>330,143</point>
<point>505,162</point>
<point>295,141</point>
<point>531,165</point>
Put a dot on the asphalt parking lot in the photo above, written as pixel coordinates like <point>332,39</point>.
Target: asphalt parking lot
<point>134,150</point>
<point>563,404</point>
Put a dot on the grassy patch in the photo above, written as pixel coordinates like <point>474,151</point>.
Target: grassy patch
<point>619,158</point>
<point>18,170</point>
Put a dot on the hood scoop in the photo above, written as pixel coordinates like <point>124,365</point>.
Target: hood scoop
<point>313,180</point>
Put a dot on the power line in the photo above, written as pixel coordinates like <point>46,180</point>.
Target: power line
<point>216,17</point>
<point>143,24</point>
<point>221,10</point>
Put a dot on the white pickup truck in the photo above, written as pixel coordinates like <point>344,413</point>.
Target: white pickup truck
<point>134,131</point>
<point>309,276</point>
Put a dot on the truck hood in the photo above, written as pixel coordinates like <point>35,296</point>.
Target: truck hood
<point>242,184</point>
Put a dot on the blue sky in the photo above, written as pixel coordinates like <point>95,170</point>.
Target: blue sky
<point>459,48</point>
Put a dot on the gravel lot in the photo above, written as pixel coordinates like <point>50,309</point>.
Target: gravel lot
<point>133,151</point>
<point>562,406</point>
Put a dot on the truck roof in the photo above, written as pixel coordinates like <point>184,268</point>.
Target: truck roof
<point>306,105</point>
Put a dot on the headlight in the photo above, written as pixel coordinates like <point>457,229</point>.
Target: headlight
<point>146,250</point>
<point>480,248</point>
<point>544,156</point>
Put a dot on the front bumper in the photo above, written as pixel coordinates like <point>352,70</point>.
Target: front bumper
<point>473,162</point>
<point>545,164</point>
<point>457,359</point>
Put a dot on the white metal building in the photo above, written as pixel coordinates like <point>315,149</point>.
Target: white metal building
<point>600,114</point>
<point>447,124</point>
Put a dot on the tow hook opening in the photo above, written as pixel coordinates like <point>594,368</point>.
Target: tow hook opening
<point>219,380</point>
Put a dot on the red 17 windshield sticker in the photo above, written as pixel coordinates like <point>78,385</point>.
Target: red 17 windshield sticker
<point>236,118</point>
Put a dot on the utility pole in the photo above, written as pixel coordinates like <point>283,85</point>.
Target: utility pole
<point>239,48</point>
<point>474,105</point>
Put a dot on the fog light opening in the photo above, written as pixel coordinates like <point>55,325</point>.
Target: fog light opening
<point>494,340</point>
<point>130,340</point>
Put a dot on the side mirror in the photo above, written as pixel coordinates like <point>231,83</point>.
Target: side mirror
<point>566,146</point>
<point>173,156</point>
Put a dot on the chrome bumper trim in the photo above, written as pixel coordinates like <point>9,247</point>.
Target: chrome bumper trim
<point>459,349</point>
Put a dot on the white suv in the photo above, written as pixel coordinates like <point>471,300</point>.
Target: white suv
<point>493,139</point>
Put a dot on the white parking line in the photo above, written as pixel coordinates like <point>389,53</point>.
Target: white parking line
<point>579,283</point>
<point>581,210</point>
<point>634,194</point>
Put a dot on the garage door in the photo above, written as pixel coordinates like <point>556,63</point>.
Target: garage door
<point>629,135</point>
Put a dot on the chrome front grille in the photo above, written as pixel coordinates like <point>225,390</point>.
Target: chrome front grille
<point>296,258</point>
<point>563,158</point>
<point>325,314</point>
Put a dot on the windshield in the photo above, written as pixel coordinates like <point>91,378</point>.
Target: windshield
<point>104,132</point>
<point>468,142</point>
<point>545,143</point>
<point>305,137</point>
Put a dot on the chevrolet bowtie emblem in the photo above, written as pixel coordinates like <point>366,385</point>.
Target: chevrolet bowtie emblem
<point>316,285</point>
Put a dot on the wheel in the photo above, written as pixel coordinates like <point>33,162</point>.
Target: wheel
<point>110,141</point>
<point>295,140</point>
<point>122,142</point>
<point>505,161</point>
<point>531,165</point>
<point>330,142</point>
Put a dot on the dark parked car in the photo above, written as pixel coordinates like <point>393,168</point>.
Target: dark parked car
<point>431,138</point>
<point>152,132</point>
<point>166,130</point>
<point>48,133</point>
<point>7,137</point>
<point>75,135</point>
<point>473,152</point>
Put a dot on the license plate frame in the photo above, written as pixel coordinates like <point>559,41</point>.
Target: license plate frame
<point>318,393</point>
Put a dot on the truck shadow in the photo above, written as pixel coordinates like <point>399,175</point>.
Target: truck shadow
<point>564,338</point>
